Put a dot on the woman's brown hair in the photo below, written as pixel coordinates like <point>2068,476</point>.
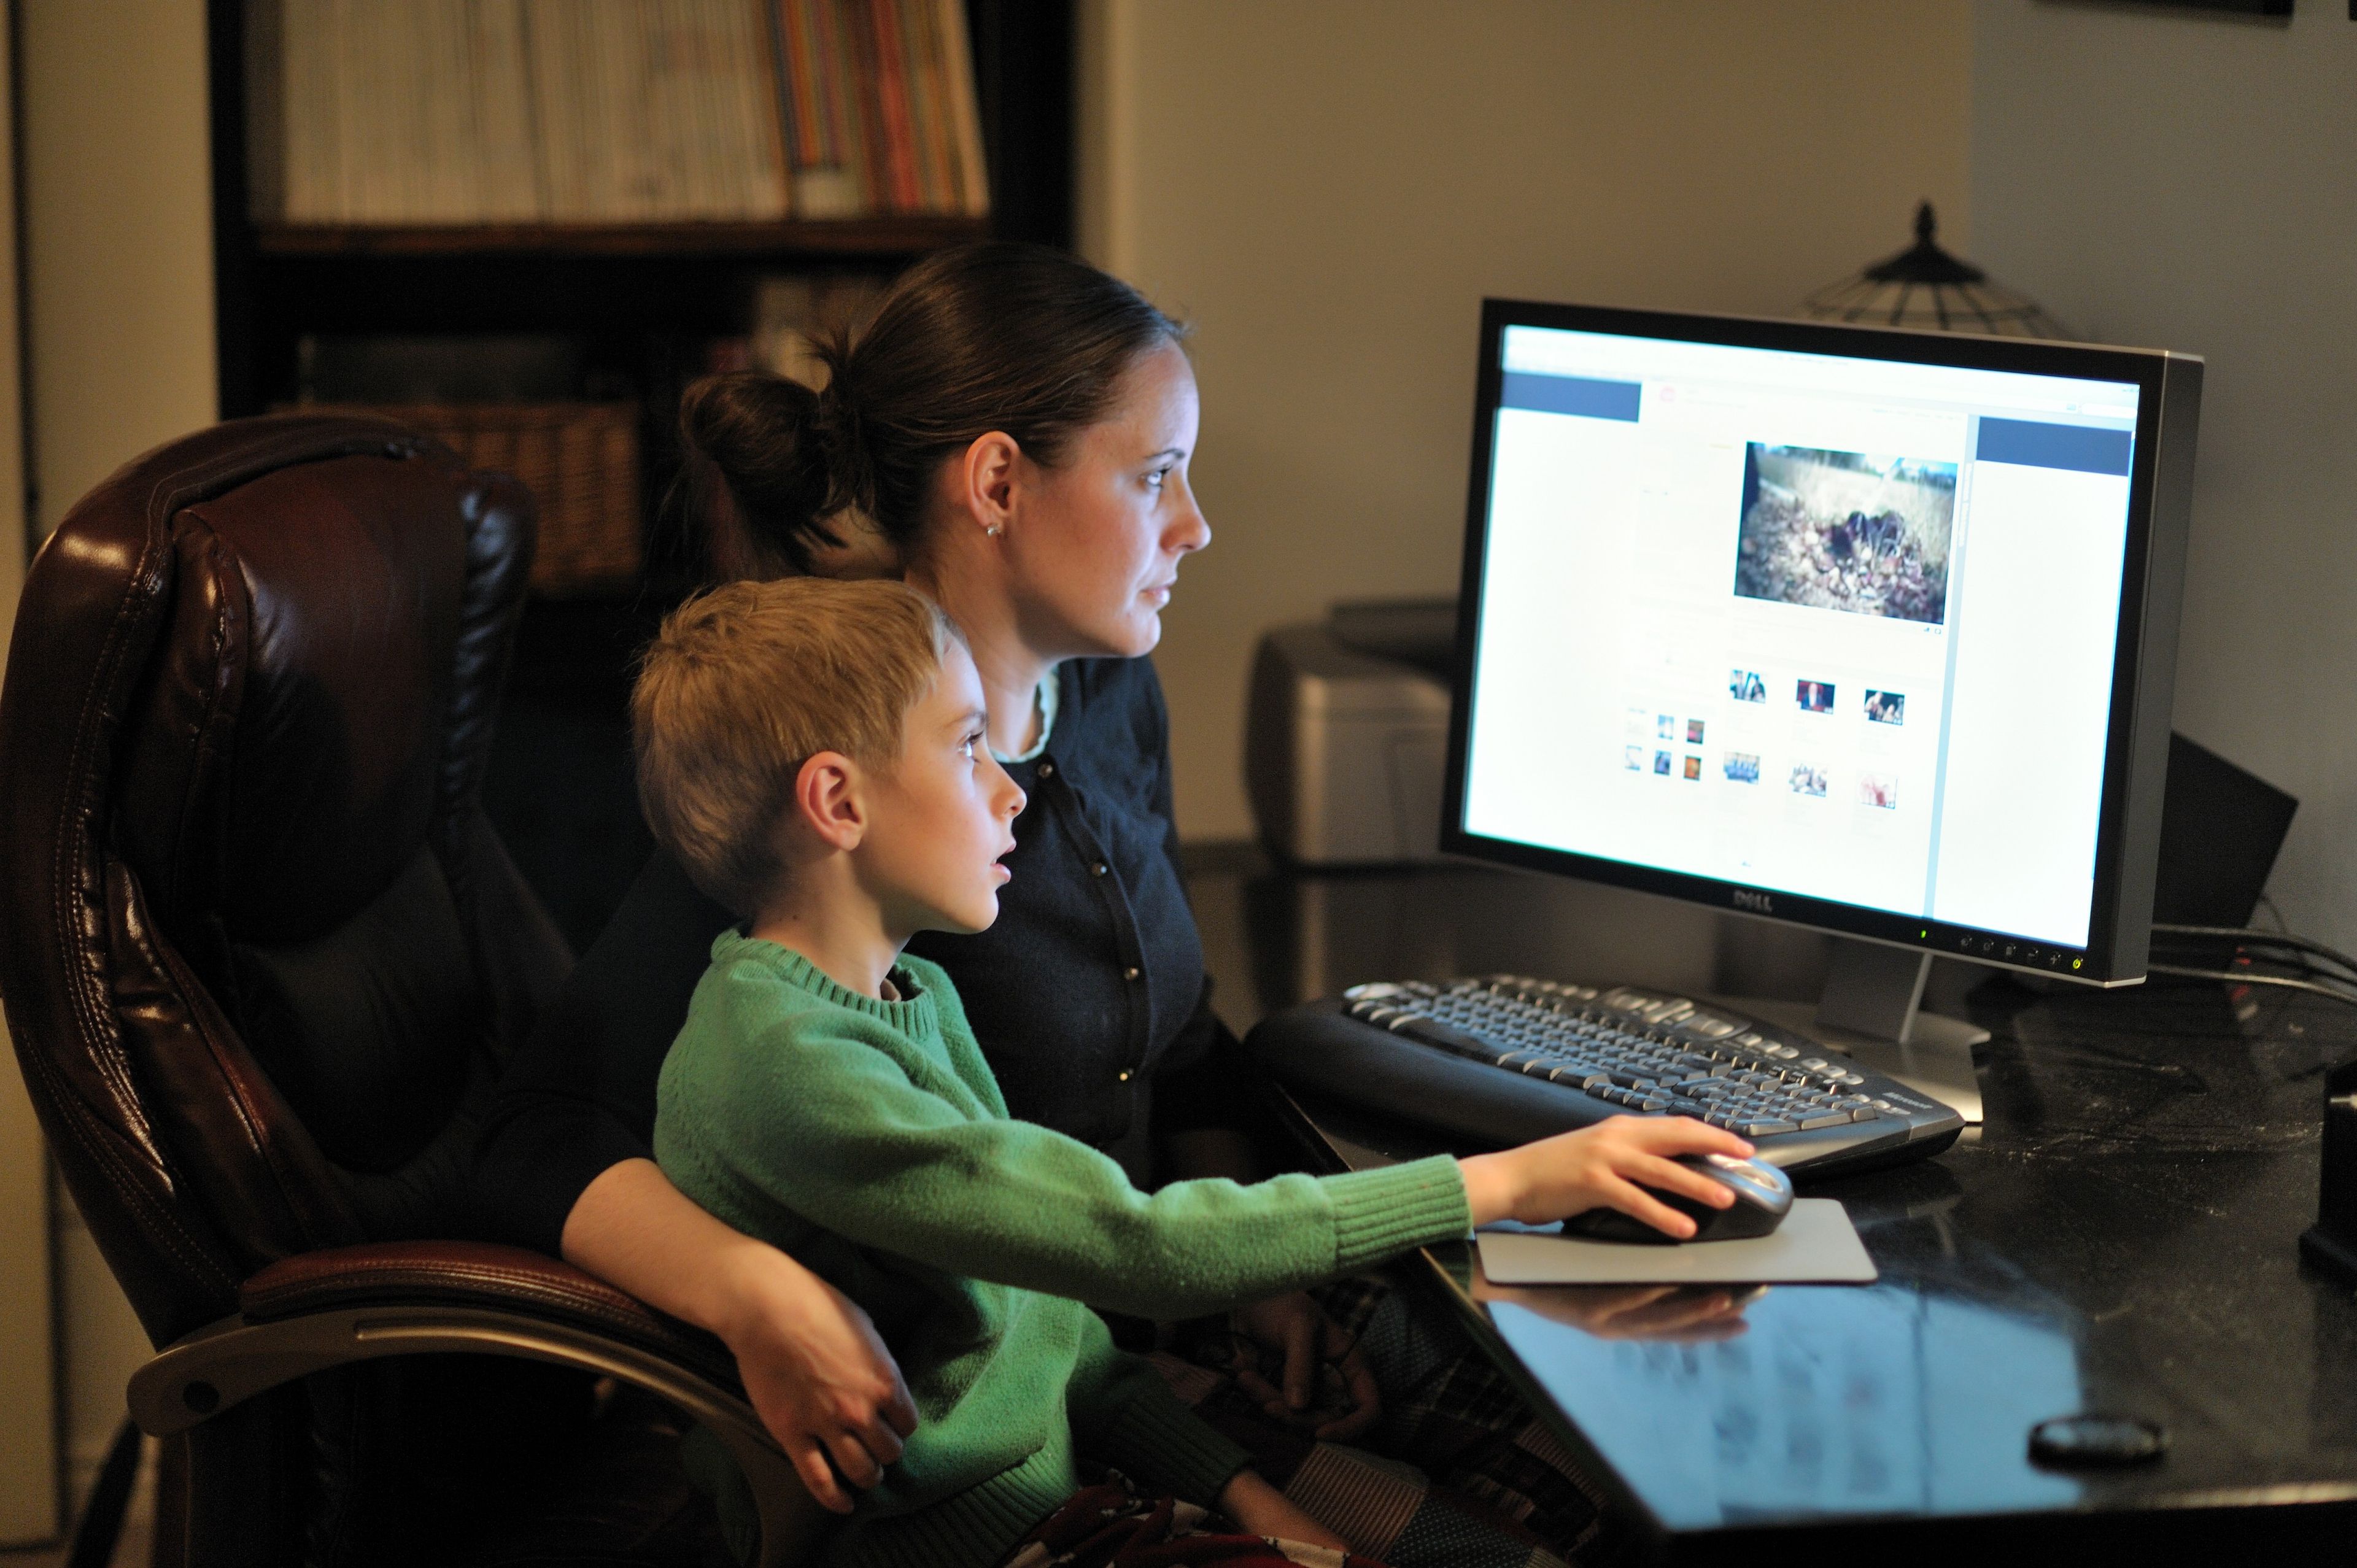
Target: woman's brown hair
<point>994,336</point>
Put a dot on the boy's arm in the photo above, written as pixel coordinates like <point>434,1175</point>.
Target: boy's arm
<point>832,1130</point>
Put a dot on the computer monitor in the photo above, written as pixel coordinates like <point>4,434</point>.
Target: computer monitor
<point>1871,631</point>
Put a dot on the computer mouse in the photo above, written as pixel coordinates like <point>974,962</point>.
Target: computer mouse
<point>1763,1196</point>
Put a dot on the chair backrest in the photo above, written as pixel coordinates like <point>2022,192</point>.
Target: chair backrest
<point>263,951</point>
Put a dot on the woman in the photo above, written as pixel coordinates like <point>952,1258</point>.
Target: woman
<point>1011,433</point>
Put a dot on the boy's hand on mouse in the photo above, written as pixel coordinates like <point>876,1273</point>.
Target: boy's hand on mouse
<point>1607,1166</point>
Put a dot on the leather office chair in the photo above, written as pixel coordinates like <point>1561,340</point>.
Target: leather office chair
<point>263,956</point>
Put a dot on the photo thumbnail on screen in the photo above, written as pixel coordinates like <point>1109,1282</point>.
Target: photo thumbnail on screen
<point>1746,686</point>
<point>1886,707</point>
<point>1814,696</point>
<point>1633,758</point>
<point>1878,789</point>
<point>1693,767</point>
<point>1662,763</point>
<point>1846,531</point>
<point>1808,780</point>
<point>1742,767</point>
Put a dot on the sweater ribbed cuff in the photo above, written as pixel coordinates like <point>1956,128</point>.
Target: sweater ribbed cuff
<point>972,1529</point>
<point>1381,1213</point>
<point>1163,1445</point>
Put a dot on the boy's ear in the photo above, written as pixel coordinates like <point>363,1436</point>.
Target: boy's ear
<point>828,801</point>
<point>988,481</point>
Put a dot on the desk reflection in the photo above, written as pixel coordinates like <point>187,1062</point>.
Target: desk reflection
<point>1687,1314</point>
<point>1833,1402</point>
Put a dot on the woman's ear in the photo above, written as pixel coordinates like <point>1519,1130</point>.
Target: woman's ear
<point>988,481</point>
<point>828,803</point>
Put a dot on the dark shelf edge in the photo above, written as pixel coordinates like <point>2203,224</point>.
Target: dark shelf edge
<point>847,236</point>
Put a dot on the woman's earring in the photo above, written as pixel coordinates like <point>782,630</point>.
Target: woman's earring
<point>995,529</point>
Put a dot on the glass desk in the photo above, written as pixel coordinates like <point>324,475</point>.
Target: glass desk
<point>2120,1238</point>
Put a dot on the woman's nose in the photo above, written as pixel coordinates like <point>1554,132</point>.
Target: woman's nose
<point>1190,532</point>
<point>1015,800</point>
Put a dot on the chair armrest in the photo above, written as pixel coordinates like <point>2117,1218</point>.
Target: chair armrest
<point>476,1274</point>
<point>307,1314</point>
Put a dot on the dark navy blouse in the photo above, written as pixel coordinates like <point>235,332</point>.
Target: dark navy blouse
<point>1088,995</point>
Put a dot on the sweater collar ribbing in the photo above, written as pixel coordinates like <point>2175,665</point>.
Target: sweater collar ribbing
<point>915,1014</point>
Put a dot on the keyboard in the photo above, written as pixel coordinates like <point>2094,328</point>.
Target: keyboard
<point>1506,1058</point>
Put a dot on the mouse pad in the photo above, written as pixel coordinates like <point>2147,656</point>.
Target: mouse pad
<point>1815,1245</point>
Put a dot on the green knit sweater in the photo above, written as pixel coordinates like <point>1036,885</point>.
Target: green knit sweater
<point>869,1140</point>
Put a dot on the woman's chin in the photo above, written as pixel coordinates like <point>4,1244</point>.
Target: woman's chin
<point>1142,634</point>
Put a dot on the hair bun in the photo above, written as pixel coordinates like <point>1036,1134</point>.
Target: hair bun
<point>757,473</point>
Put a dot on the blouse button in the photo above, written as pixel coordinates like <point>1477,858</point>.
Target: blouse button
<point>1099,869</point>
<point>1047,770</point>
<point>1122,1077</point>
<point>1132,972</point>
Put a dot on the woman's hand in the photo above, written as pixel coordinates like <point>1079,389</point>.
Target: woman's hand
<point>1295,1327</point>
<point>1261,1509</point>
<point>816,1372</point>
<point>1601,1168</point>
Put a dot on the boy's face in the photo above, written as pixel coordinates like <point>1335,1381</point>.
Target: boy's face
<point>941,817</point>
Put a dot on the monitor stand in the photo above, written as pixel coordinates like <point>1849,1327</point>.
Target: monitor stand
<point>1871,1012</point>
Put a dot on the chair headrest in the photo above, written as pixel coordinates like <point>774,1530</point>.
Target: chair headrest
<point>322,684</point>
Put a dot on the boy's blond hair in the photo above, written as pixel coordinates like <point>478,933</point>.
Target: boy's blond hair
<point>746,684</point>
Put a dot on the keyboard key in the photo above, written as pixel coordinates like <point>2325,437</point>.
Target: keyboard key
<point>1823,1119</point>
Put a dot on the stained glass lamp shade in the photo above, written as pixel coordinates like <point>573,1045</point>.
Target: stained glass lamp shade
<point>1924,287</point>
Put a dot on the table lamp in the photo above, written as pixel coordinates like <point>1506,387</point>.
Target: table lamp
<point>1924,287</point>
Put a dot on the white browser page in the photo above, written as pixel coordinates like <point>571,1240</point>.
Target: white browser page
<point>1829,626</point>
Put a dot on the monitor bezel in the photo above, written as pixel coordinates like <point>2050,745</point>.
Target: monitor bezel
<point>2114,952</point>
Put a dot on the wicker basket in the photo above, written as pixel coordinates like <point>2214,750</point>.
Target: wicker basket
<point>580,460</point>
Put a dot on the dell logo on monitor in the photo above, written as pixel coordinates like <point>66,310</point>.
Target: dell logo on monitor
<point>1758,903</point>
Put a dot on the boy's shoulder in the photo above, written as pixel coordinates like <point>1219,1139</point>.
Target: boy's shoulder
<point>738,996</point>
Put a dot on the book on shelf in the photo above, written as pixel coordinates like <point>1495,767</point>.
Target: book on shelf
<point>495,113</point>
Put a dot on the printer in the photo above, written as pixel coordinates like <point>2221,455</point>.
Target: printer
<point>1345,734</point>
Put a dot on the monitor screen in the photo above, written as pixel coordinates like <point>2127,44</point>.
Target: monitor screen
<point>1818,623</point>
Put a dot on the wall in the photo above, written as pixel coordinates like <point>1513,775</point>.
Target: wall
<point>118,236</point>
<point>2187,182</point>
<point>29,1394</point>
<point>1328,188</point>
<point>117,221</point>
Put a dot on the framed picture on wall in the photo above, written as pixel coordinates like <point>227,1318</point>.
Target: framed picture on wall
<point>2231,7</point>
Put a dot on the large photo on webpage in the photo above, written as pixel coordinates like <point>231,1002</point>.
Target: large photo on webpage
<point>1846,531</point>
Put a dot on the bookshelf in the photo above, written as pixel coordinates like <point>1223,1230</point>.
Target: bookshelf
<point>638,306</point>
<point>879,236</point>
<point>277,281</point>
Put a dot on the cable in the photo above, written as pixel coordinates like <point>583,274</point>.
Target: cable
<point>2246,937</point>
<point>2243,977</point>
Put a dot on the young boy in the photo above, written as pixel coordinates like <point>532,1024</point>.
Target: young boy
<point>813,753</point>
